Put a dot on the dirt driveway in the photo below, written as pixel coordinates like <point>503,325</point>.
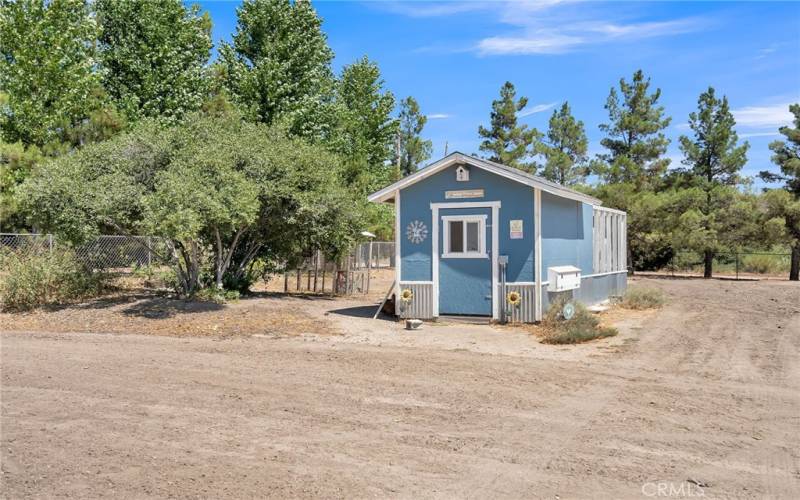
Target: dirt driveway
<point>708,389</point>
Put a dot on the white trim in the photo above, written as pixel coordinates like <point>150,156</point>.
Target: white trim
<point>501,170</point>
<point>537,266</point>
<point>603,274</point>
<point>607,209</point>
<point>435,259</point>
<point>495,253</point>
<point>398,240</point>
<point>470,217</point>
<point>416,282</point>
<point>520,283</point>
<point>465,254</point>
<point>466,204</point>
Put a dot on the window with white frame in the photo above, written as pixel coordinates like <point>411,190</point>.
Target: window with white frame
<point>464,236</point>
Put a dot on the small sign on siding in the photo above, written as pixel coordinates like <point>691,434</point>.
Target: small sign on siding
<point>464,193</point>
<point>516,229</point>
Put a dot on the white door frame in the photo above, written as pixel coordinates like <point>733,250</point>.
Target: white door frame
<point>435,207</point>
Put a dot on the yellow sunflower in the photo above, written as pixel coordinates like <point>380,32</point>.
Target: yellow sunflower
<point>514,298</point>
<point>406,295</point>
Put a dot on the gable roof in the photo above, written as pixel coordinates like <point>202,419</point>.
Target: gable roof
<point>513,174</point>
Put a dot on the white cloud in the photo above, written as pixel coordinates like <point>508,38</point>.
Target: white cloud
<point>772,116</point>
<point>537,109</point>
<point>757,134</point>
<point>431,9</point>
<point>509,10</point>
<point>438,116</point>
<point>545,26</point>
<point>638,31</point>
<point>540,43</point>
<point>537,39</point>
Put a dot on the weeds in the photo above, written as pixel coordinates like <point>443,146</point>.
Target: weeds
<point>643,298</point>
<point>37,279</point>
<point>582,327</point>
<point>218,296</point>
<point>156,277</point>
<point>765,264</point>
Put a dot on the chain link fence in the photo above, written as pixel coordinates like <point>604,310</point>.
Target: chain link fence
<point>731,264</point>
<point>104,252</point>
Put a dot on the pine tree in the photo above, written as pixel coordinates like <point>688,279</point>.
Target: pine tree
<point>413,148</point>
<point>564,148</point>
<point>715,159</point>
<point>154,55</point>
<point>635,140</point>
<point>785,203</point>
<point>279,64</point>
<point>507,142</point>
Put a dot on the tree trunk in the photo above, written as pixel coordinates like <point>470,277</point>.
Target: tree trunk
<point>629,253</point>
<point>709,263</point>
<point>794,270</point>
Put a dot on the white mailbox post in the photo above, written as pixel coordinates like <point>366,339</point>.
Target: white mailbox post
<point>560,278</point>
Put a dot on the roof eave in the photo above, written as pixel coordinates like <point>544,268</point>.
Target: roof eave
<point>388,192</point>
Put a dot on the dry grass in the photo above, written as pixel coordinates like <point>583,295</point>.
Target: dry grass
<point>643,298</point>
<point>582,327</point>
<point>153,313</point>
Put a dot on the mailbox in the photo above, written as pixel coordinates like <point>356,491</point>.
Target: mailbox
<point>560,278</point>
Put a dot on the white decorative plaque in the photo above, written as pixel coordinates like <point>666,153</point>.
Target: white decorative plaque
<point>464,193</point>
<point>515,230</point>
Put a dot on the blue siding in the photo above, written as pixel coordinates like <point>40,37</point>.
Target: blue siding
<point>465,285</point>
<point>566,234</point>
<point>517,203</point>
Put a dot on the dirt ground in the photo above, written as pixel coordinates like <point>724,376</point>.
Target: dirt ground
<point>706,389</point>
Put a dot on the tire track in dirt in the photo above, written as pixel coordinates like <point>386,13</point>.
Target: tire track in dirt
<point>711,395</point>
<point>751,346</point>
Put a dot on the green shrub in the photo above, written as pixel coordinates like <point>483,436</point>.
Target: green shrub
<point>643,298</point>
<point>156,277</point>
<point>582,327</point>
<point>212,294</point>
<point>764,264</point>
<point>36,279</point>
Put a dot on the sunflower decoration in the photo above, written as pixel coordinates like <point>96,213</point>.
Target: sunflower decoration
<point>406,295</point>
<point>514,298</point>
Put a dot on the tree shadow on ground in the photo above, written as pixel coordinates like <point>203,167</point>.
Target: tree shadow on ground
<point>152,304</point>
<point>166,307</point>
<point>289,295</point>
<point>102,302</point>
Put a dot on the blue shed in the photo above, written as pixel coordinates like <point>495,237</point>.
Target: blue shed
<point>469,231</point>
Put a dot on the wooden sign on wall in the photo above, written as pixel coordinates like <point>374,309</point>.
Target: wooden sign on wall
<point>464,193</point>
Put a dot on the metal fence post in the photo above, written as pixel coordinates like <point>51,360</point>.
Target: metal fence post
<point>50,242</point>
<point>737,266</point>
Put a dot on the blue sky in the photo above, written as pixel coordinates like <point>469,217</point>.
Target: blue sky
<point>454,56</point>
